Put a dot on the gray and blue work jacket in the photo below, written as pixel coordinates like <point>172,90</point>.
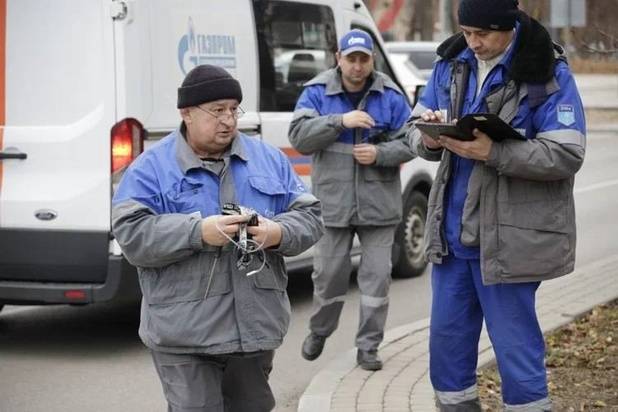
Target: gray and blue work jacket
<point>352,193</point>
<point>195,297</point>
<point>515,212</point>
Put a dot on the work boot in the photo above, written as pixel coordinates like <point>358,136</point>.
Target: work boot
<point>369,360</point>
<point>312,346</point>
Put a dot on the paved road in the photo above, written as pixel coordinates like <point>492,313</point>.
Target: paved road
<point>66,358</point>
<point>89,358</point>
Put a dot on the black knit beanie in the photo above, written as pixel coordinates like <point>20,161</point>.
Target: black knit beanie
<point>207,83</point>
<point>498,15</point>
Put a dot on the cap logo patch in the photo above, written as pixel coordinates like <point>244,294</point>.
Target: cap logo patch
<point>566,114</point>
<point>356,40</point>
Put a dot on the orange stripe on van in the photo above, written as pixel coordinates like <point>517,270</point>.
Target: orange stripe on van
<point>2,76</point>
<point>300,162</point>
<point>303,170</point>
<point>290,152</point>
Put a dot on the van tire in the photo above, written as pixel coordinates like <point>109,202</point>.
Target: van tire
<point>409,245</point>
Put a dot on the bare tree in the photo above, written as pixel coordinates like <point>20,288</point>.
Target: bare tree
<point>606,44</point>
<point>422,19</point>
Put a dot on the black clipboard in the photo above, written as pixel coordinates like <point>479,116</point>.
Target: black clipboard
<point>496,128</point>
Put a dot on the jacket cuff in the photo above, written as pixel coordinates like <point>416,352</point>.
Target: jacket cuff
<point>431,154</point>
<point>494,154</point>
<point>285,238</point>
<point>336,121</point>
<point>195,237</point>
<point>380,157</point>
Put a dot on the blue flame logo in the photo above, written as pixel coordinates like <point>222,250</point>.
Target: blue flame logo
<point>195,49</point>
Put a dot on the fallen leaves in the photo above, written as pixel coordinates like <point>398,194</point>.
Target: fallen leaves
<point>582,362</point>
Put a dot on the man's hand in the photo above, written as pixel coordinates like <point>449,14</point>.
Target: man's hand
<point>365,153</point>
<point>358,118</point>
<point>213,226</point>
<point>433,117</point>
<point>477,149</point>
<point>267,232</point>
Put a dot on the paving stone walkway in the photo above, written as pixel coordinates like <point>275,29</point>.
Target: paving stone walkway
<point>403,384</point>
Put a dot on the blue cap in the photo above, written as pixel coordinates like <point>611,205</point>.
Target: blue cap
<point>356,41</point>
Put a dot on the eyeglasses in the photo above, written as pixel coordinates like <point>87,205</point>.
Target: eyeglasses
<point>222,114</point>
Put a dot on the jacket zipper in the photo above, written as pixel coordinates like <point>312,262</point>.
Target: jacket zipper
<point>358,138</point>
<point>212,272</point>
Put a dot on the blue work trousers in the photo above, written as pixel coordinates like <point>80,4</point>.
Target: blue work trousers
<point>460,303</point>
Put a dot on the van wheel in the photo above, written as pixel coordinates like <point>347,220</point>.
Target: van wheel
<point>408,248</point>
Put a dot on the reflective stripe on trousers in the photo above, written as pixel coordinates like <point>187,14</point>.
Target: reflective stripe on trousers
<point>466,400</point>
<point>331,277</point>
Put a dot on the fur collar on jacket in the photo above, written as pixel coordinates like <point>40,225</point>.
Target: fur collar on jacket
<point>533,60</point>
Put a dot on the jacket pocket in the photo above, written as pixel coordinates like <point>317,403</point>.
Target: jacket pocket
<point>380,174</point>
<point>271,304</point>
<point>336,197</point>
<point>535,204</point>
<point>330,166</point>
<point>529,252</point>
<point>185,281</point>
<point>266,185</point>
<point>535,238</point>
<point>268,195</point>
<point>379,197</point>
<point>186,196</point>
<point>273,275</point>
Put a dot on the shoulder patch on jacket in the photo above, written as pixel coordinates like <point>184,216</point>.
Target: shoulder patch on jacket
<point>566,114</point>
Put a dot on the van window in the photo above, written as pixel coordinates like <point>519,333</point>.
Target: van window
<point>423,59</point>
<point>295,42</point>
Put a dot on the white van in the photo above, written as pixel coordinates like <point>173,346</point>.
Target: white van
<point>86,85</point>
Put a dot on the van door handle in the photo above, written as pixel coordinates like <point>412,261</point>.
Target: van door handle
<point>13,155</point>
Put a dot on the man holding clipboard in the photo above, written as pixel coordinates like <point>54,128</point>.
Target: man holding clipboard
<point>488,123</point>
<point>501,215</point>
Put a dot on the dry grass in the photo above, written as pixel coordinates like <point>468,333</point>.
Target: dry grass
<point>582,362</point>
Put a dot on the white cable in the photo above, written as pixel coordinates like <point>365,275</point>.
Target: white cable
<point>253,272</point>
<point>247,250</point>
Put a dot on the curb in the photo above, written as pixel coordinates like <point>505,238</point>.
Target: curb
<point>560,302</point>
<point>317,397</point>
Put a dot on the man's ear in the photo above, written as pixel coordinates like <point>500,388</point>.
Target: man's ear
<point>185,113</point>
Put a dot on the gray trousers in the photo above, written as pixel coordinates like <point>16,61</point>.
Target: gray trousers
<point>216,383</point>
<point>331,277</point>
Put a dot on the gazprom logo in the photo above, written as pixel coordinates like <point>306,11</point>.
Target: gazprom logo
<point>195,49</point>
<point>356,40</point>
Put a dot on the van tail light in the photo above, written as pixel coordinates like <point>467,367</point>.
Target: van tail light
<point>127,143</point>
<point>75,294</point>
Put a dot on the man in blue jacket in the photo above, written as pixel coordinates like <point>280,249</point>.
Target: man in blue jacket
<point>350,119</point>
<point>214,304</point>
<point>501,214</point>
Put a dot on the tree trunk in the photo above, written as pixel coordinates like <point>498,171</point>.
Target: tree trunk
<point>426,19</point>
